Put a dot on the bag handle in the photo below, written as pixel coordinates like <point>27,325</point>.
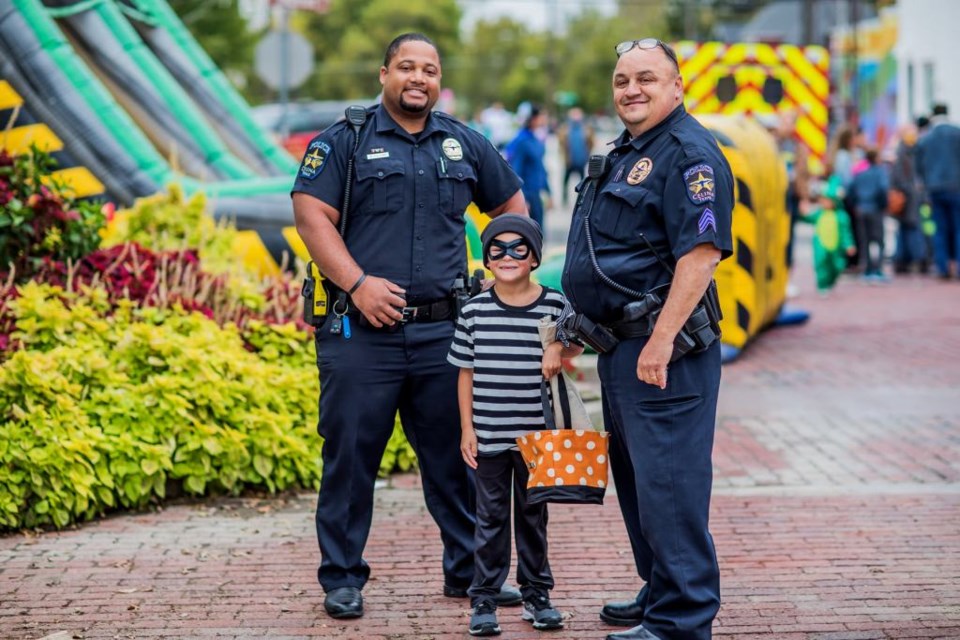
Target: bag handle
<point>549,419</point>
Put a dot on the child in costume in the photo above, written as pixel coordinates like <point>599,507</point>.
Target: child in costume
<point>498,349</point>
<point>833,238</point>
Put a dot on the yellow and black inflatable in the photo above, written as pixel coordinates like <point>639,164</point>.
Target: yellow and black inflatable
<point>753,282</point>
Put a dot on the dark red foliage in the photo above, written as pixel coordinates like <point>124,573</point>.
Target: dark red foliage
<point>158,279</point>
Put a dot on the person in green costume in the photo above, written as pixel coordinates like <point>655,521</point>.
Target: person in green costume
<point>833,238</point>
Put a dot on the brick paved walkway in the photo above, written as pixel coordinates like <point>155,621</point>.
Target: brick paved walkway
<point>836,515</point>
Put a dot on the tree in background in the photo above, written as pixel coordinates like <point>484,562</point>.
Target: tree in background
<point>222,32</point>
<point>349,41</point>
<point>502,59</point>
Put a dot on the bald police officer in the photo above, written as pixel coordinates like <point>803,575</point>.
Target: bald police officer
<point>660,223</point>
<point>383,347</point>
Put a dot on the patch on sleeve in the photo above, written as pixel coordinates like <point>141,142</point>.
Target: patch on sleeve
<point>701,187</point>
<point>315,159</point>
<point>707,221</point>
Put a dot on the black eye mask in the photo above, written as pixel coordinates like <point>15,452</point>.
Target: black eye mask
<point>510,249</point>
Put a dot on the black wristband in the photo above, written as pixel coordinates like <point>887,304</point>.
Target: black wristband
<point>356,285</point>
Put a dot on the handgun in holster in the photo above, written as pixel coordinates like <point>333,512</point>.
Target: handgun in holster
<point>314,296</point>
<point>594,335</point>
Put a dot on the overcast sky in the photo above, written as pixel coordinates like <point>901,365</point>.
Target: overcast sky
<point>537,14</point>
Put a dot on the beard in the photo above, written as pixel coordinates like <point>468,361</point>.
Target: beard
<point>414,108</point>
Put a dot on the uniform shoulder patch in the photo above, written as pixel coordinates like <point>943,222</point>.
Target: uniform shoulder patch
<point>315,159</point>
<point>701,186</point>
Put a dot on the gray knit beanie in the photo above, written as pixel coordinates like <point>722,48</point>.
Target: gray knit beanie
<point>524,226</point>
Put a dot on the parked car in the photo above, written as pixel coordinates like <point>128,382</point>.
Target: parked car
<point>303,120</point>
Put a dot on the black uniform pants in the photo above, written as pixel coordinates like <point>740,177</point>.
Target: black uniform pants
<point>364,381</point>
<point>496,475</point>
<point>661,444</point>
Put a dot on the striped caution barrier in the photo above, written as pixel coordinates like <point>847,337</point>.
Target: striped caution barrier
<point>19,130</point>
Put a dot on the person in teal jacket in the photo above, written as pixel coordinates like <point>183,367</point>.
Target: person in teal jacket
<point>833,237</point>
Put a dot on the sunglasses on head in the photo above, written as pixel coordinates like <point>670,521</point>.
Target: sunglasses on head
<point>646,43</point>
<point>517,249</point>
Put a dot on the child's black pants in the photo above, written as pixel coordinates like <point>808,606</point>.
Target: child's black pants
<point>496,475</point>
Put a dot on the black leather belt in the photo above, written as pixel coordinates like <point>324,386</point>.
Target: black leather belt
<point>430,312</point>
<point>637,329</point>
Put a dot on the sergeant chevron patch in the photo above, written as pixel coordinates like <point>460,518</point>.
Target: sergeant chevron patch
<point>707,221</point>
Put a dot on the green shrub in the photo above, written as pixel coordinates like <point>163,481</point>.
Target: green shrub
<point>99,412</point>
<point>103,411</point>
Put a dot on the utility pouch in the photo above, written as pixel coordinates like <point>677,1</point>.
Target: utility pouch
<point>711,300</point>
<point>698,333</point>
<point>314,296</point>
<point>596,336</point>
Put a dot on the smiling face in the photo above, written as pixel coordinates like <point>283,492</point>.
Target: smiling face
<point>508,269</point>
<point>646,88</point>
<point>411,82</point>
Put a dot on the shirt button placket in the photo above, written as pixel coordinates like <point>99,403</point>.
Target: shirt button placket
<point>420,186</point>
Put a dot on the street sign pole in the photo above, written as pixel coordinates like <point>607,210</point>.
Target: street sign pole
<point>284,69</point>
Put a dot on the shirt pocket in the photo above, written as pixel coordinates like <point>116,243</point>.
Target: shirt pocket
<point>620,211</point>
<point>380,187</point>
<point>456,182</point>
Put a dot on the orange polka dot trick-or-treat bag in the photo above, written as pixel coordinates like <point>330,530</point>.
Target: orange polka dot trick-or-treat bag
<point>565,465</point>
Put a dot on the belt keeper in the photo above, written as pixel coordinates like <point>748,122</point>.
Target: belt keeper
<point>356,285</point>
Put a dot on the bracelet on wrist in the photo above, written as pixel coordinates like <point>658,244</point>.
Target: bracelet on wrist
<point>356,285</point>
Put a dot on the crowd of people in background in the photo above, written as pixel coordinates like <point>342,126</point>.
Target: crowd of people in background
<point>913,181</point>
<point>876,212</point>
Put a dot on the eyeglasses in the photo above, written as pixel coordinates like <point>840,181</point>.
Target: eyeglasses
<point>647,43</point>
<point>517,249</point>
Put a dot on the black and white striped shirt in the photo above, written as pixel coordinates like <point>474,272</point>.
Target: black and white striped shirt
<point>501,343</point>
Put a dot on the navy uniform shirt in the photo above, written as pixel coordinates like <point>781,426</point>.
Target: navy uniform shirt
<point>671,185</point>
<point>409,195</point>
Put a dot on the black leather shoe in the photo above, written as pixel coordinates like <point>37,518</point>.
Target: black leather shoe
<point>622,614</point>
<point>508,596</point>
<point>345,602</point>
<point>637,633</point>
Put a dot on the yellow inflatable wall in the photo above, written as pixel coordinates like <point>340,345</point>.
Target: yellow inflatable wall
<point>753,282</point>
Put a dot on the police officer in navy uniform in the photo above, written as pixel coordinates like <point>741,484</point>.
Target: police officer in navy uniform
<point>664,205</point>
<point>383,345</point>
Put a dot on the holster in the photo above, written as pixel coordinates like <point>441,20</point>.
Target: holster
<point>315,296</point>
<point>596,336</point>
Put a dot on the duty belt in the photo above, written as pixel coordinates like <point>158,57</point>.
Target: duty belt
<point>636,329</point>
<point>429,312</point>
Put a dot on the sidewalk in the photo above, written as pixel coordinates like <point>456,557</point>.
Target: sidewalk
<point>836,515</point>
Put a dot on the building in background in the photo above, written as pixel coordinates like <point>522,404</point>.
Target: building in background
<point>926,53</point>
<point>865,75</point>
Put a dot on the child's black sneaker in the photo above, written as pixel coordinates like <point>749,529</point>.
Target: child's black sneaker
<point>538,611</point>
<point>483,620</point>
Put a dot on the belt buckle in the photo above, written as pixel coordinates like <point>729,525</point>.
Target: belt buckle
<point>408,314</point>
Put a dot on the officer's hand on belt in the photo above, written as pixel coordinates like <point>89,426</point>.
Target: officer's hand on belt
<point>653,361</point>
<point>378,300</point>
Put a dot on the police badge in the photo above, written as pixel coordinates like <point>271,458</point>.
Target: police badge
<point>640,171</point>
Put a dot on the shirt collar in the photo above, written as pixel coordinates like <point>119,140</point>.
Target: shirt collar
<point>678,114</point>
